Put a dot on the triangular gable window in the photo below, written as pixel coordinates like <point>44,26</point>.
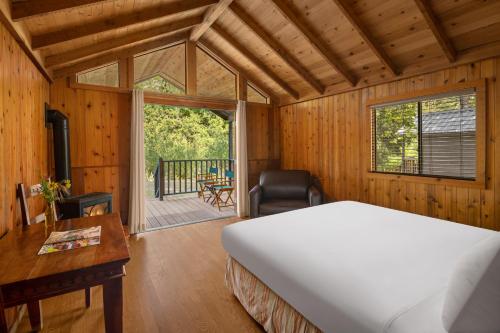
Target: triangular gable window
<point>106,75</point>
<point>254,95</point>
<point>213,78</point>
<point>162,71</point>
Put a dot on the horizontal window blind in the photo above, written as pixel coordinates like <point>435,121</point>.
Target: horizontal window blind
<point>433,136</point>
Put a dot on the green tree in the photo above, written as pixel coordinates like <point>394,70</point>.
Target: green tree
<point>396,135</point>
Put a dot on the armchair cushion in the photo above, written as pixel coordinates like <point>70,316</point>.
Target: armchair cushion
<point>281,191</point>
<point>276,206</point>
<point>289,184</point>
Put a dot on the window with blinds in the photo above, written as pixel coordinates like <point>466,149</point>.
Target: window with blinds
<point>428,136</point>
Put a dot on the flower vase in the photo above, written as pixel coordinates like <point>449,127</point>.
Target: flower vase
<point>50,215</point>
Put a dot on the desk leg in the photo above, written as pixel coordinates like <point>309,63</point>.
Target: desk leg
<point>35,315</point>
<point>113,305</point>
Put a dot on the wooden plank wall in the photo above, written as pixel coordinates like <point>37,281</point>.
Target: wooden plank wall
<point>100,140</point>
<point>23,137</point>
<point>263,140</point>
<point>331,138</point>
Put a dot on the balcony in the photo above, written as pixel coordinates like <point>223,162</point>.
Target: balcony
<point>175,200</point>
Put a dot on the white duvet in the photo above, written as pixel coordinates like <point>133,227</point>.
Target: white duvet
<point>350,267</point>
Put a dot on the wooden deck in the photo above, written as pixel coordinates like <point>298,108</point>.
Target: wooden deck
<point>184,209</point>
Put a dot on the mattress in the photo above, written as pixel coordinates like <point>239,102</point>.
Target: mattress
<point>353,267</point>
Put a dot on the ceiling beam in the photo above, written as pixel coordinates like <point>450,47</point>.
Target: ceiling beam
<point>107,45</point>
<point>21,10</point>
<point>212,51</point>
<point>119,54</point>
<point>210,17</point>
<point>120,21</point>
<point>312,37</point>
<point>437,30</point>
<point>365,34</point>
<point>255,60</point>
<point>289,59</point>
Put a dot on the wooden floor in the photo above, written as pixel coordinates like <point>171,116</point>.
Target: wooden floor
<point>177,210</point>
<point>174,283</point>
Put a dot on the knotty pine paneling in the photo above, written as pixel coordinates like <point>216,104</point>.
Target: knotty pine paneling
<point>23,137</point>
<point>263,140</point>
<point>330,137</point>
<point>100,140</point>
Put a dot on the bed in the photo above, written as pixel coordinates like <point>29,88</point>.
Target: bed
<point>352,267</point>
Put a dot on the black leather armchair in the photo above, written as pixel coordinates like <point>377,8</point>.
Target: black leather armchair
<point>284,190</point>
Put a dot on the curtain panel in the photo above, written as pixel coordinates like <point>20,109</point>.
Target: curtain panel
<point>136,218</point>
<point>242,197</point>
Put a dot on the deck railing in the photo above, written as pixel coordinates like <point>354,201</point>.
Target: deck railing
<point>180,176</point>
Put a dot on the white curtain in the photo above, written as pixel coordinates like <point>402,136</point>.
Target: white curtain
<point>136,216</point>
<point>242,197</point>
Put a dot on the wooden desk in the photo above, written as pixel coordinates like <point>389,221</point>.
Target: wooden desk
<point>26,278</point>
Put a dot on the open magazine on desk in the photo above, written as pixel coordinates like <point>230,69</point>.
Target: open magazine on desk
<point>71,239</point>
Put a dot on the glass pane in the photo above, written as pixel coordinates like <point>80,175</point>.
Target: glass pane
<point>102,76</point>
<point>162,71</point>
<point>449,136</point>
<point>253,95</point>
<point>396,138</point>
<point>213,79</point>
<point>99,209</point>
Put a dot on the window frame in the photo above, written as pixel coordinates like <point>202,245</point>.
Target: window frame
<point>479,181</point>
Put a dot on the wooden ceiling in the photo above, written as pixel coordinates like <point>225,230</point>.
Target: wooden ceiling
<point>292,49</point>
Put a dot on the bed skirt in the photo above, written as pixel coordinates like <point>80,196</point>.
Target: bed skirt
<point>268,309</point>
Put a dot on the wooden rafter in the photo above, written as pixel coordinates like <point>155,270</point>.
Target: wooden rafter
<point>25,9</point>
<point>376,48</point>
<point>212,51</point>
<point>437,30</point>
<point>120,21</point>
<point>120,54</point>
<point>191,68</point>
<point>210,17</point>
<point>276,47</point>
<point>104,46</point>
<point>254,59</point>
<point>315,41</point>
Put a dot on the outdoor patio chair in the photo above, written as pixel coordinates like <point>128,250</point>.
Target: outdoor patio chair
<point>204,182</point>
<point>224,187</point>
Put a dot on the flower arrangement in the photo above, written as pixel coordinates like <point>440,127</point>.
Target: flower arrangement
<point>53,191</point>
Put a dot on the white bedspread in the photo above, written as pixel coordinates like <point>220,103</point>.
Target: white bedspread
<point>350,267</point>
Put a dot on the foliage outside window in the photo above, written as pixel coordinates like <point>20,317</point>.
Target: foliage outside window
<point>179,133</point>
<point>106,76</point>
<point>429,136</point>
<point>255,96</point>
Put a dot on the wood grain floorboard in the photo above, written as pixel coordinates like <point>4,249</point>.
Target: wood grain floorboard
<point>174,283</point>
<point>180,210</point>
